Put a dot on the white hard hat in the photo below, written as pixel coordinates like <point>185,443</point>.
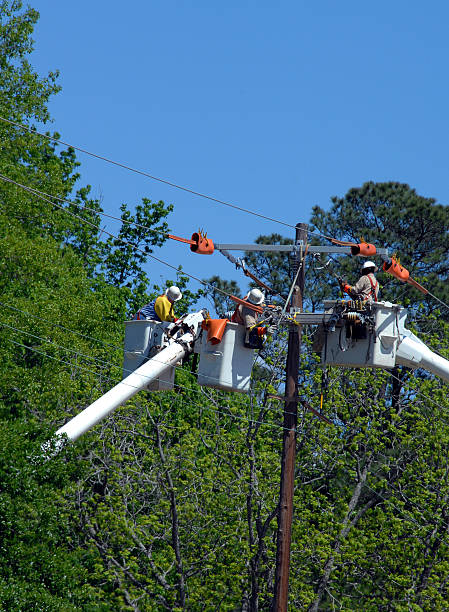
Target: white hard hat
<point>255,296</point>
<point>173,293</point>
<point>369,264</point>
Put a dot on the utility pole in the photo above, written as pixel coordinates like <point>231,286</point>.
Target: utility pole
<point>285,512</point>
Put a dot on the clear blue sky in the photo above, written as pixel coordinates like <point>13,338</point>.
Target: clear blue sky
<point>273,106</point>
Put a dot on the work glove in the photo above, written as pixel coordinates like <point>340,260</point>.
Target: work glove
<point>271,329</point>
<point>346,288</point>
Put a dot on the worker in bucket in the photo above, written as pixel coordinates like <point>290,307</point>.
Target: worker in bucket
<point>248,317</point>
<point>162,308</point>
<point>367,287</point>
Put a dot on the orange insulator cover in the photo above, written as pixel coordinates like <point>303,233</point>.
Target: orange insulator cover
<point>396,270</point>
<point>202,245</point>
<point>364,249</point>
<point>215,330</point>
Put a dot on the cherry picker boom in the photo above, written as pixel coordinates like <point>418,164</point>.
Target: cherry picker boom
<point>183,335</point>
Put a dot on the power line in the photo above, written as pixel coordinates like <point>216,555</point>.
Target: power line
<point>64,348</point>
<point>429,399</point>
<point>393,489</point>
<point>45,196</point>
<point>126,242</point>
<point>230,414</point>
<point>143,173</point>
<point>29,314</point>
<point>103,362</point>
<point>253,421</point>
<point>93,210</point>
<point>197,193</point>
<point>82,207</point>
<point>403,383</point>
<point>32,191</point>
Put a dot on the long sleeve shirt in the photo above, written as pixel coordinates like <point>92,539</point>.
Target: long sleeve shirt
<point>246,316</point>
<point>366,288</point>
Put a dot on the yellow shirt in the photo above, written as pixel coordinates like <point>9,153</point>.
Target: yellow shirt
<point>164,308</point>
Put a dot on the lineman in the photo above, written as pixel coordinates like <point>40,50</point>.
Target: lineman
<point>248,317</point>
<point>367,287</point>
<point>161,309</point>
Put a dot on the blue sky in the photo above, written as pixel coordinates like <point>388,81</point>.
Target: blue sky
<point>274,107</point>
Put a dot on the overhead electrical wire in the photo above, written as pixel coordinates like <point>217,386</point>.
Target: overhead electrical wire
<point>229,414</point>
<point>40,195</point>
<point>119,348</point>
<point>65,348</point>
<point>46,197</point>
<point>197,193</point>
<point>146,174</point>
<point>43,196</point>
<point>79,354</point>
<point>101,361</point>
<point>37,192</point>
<point>72,331</point>
<point>133,223</point>
<point>32,191</point>
<point>82,207</point>
<point>394,490</point>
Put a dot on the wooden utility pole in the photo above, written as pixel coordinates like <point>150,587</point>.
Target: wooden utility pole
<point>285,512</point>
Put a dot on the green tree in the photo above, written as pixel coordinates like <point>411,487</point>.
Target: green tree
<point>393,215</point>
<point>221,302</point>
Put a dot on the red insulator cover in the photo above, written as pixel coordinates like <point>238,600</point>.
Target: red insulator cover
<point>202,245</point>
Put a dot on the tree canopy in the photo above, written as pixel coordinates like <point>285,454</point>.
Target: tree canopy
<point>171,503</point>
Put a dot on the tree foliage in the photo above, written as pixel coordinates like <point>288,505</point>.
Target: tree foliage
<point>394,216</point>
<point>171,503</point>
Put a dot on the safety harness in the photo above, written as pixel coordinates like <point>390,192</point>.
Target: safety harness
<point>374,288</point>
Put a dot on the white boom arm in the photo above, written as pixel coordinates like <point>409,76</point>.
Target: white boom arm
<point>132,384</point>
<point>413,353</point>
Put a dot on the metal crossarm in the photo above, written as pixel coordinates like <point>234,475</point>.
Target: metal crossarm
<point>289,248</point>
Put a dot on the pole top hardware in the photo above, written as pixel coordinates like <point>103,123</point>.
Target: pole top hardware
<point>293,248</point>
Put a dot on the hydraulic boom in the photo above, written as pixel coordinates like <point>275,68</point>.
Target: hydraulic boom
<point>185,331</point>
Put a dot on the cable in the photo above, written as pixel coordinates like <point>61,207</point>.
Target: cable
<point>104,362</point>
<point>29,189</point>
<point>427,291</point>
<point>221,412</point>
<point>125,242</point>
<point>377,493</point>
<point>416,393</point>
<point>437,299</point>
<point>29,314</point>
<point>389,486</point>
<point>82,207</point>
<point>180,386</point>
<point>64,348</point>
<point>405,384</point>
<point>37,192</point>
<point>141,172</point>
